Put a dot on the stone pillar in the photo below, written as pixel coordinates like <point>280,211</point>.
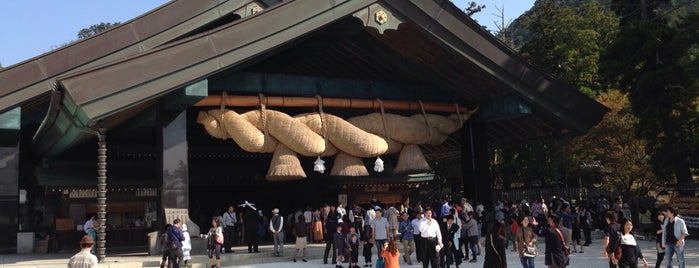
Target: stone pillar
<point>10,123</point>
<point>175,190</point>
<point>475,167</point>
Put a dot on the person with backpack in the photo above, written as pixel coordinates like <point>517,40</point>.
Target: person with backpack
<point>612,239</point>
<point>556,255</point>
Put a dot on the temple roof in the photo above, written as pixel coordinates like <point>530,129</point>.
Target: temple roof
<point>192,48</point>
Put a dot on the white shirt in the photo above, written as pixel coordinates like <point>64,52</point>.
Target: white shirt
<point>83,259</point>
<point>308,215</point>
<point>430,230</point>
<point>628,239</point>
<point>281,224</point>
<point>467,207</point>
<point>341,211</point>
<point>89,225</point>
<point>369,217</point>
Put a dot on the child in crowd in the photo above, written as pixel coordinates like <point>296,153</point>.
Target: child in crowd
<point>367,245</point>
<point>352,231</point>
<point>186,245</point>
<point>339,246</point>
<point>353,245</point>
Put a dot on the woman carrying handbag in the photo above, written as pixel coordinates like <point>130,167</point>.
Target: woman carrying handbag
<point>526,242</point>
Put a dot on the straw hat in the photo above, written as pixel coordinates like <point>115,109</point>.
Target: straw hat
<point>87,241</point>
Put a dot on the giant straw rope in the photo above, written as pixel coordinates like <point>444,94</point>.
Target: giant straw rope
<point>322,134</point>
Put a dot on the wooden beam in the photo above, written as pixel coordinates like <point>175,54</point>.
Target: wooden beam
<point>281,101</point>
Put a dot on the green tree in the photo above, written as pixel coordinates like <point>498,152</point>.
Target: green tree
<point>567,41</point>
<point>96,29</point>
<point>624,167</point>
<point>654,58</point>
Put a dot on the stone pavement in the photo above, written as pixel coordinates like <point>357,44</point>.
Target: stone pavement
<point>591,258</point>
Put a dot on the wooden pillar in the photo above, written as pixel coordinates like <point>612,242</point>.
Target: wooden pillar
<point>475,167</point>
<point>101,194</point>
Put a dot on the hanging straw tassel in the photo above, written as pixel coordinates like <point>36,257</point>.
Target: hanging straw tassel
<point>348,165</point>
<point>411,161</point>
<point>285,165</point>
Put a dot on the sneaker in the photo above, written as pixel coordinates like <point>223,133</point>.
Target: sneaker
<point>294,259</point>
<point>304,260</point>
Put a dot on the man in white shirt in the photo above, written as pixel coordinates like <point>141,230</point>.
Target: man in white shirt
<point>432,237</point>
<point>379,231</point>
<point>416,235</point>
<point>229,221</point>
<point>84,259</point>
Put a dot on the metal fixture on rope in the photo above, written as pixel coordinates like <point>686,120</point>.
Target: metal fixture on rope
<point>378,164</point>
<point>319,164</point>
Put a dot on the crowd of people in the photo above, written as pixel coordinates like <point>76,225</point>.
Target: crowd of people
<point>450,234</point>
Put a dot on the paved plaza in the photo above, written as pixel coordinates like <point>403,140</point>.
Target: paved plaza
<point>592,258</point>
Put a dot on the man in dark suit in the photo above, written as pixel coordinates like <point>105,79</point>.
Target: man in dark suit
<point>449,254</point>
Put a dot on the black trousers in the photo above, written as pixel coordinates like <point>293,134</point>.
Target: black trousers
<point>418,247</point>
<point>253,241</point>
<point>449,255</point>
<point>328,245</point>
<point>588,235</point>
<point>175,260</point>
<point>229,238</point>
<point>429,253</point>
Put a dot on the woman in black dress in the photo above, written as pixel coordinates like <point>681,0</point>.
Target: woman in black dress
<point>495,255</point>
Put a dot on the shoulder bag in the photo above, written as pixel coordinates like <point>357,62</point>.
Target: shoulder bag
<point>529,251</point>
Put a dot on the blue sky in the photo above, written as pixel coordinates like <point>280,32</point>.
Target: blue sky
<point>31,28</point>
